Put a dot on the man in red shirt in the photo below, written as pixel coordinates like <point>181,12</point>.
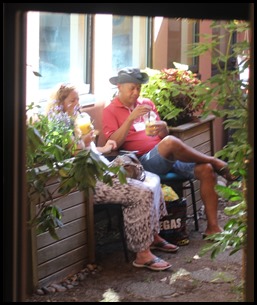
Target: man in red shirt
<point>160,153</point>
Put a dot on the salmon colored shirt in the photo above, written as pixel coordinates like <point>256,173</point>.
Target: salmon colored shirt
<point>113,117</point>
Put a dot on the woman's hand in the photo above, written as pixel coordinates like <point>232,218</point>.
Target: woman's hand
<point>109,146</point>
<point>88,138</point>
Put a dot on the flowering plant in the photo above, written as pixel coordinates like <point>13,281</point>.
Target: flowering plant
<point>48,138</point>
<point>51,144</point>
<point>172,91</point>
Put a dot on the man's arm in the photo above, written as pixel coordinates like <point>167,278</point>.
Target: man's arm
<point>121,133</point>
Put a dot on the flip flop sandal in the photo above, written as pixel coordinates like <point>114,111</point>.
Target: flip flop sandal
<point>225,173</point>
<point>183,242</point>
<point>205,237</point>
<point>161,247</point>
<point>149,265</point>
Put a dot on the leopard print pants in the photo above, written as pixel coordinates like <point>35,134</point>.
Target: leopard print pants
<point>143,206</point>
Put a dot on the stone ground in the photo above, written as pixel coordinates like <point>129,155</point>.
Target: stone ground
<point>191,278</point>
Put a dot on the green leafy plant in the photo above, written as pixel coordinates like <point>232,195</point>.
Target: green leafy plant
<point>172,91</point>
<point>229,93</point>
<point>50,155</point>
<point>234,234</point>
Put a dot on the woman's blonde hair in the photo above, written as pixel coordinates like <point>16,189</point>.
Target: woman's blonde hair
<point>59,94</point>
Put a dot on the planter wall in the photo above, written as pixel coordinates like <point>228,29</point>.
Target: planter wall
<point>52,260</point>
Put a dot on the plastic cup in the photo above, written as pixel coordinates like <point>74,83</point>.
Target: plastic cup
<point>150,120</point>
<point>149,128</point>
<point>85,128</point>
<point>84,123</point>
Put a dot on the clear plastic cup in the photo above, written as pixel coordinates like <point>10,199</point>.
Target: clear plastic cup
<point>84,123</point>
<point>150,120</point>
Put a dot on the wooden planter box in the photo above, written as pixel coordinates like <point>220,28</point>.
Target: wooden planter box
<point>199,135</point>
<point>52,260</point>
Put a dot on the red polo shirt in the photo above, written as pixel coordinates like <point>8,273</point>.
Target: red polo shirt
<point>113,117</point>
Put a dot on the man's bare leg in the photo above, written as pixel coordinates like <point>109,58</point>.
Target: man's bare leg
<point>174,149</point>
<point>208,180</point>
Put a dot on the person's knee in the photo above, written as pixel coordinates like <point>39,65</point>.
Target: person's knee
<point>170,141</point>
<point>205,171</point>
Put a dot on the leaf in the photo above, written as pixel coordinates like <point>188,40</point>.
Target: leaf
<point>37,74</point>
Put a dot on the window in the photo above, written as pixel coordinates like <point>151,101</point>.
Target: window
<point>129,42</point>
<point>88,49</point>
<point>56,49</point>
<point>60,49</point>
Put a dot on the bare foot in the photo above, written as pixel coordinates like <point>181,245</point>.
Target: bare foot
<point>159,242</point>
<point>218,164</point>
<point>209,231</point>
<point>221,168</point>
<point>154,262</point>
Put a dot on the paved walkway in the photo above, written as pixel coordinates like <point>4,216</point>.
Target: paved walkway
<point>191,279</point>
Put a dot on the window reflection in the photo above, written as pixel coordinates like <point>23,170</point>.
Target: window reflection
<point>54,49</point>
<point>122,38</point>
<point>68,48</point>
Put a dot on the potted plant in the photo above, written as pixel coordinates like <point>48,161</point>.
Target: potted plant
<point>172,90</point>
<point>50,155</point>
<point>60,186</point>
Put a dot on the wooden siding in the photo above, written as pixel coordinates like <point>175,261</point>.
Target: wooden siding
<point>53,260</point>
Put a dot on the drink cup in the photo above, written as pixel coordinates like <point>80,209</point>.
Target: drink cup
<point>84,123</point>
<point>85,128</point>
<point>150,120</point>
<point>149,128</point>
